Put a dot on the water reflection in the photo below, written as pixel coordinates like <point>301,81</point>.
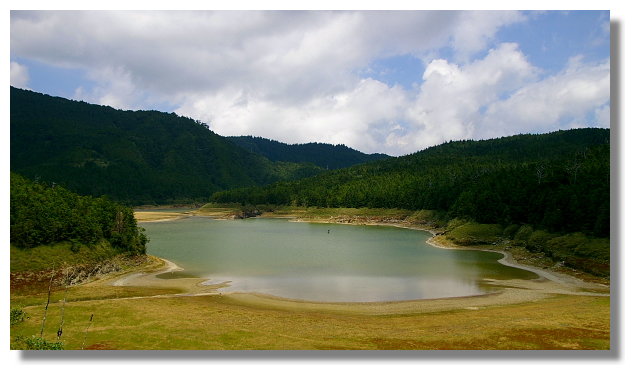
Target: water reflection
<point>351,288</point>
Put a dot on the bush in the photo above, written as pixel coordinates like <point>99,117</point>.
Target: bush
<point>424,216</point>
<point>580,245</point>
<point>17,316</point>
<point>36,343</point>
<point>455,223</point>
<point>582,252</point>
<point>474,233</point>
<point>537,242</point>
<point>511,230</point>
<point>522,235</point>
<point>45,257</point>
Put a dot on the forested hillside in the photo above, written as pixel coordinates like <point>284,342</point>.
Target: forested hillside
<point>321,154</point>
<point>136,157</point>
<point>44,214</point>
<point>559,182</point>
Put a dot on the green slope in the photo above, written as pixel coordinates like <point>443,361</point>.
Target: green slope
<point>549,193</point>
<point>557,181</point>
<point>44,215</point>
<point>321,154</point>
<point>132,156</point>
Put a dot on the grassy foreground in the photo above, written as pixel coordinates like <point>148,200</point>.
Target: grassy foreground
<point>219,322</point>
<point>133,317</point>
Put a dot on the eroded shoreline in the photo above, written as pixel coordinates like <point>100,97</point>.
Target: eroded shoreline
<point>548,284</point>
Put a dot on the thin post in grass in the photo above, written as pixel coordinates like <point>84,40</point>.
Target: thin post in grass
<point>90,322</point>
<point>48,300</point>
<point>59,331</point>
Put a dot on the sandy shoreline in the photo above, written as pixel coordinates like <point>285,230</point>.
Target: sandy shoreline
<point>154,216</point>
<point>508,260</point>
<point>548,284</point>
<point>190,286</point>
<point>510,292</point>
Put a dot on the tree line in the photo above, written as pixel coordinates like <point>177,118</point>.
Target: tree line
<point>559,182</point>
<point>134,157</point>
<point>42,214</point>
<point>324,155</point>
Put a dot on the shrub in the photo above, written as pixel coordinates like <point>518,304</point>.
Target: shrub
<point>522,235</point>
<point>511,230</point>
<point>17,316</point>
<point>455,223</point>
<point>474,233</point>
<point>537,242</point>
<point>36,343</point>
<point>582,252</point>
<point>423,216</point>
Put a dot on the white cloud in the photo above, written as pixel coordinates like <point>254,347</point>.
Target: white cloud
<point>118,88</point>
<point>355,117</point>
<point>280,54</point>
<point>603,116</point>
<point>502,94</point>
<point>479,27</point>
<point>114,89</point>
<point>452,97</point>
<point>567,97</point>
<point>19,75</point>
<point>292,76</point>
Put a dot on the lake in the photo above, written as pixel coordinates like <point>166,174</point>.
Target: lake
<point>324,262</point>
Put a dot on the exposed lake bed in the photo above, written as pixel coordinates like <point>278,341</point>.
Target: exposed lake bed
<point>491,283</point>
<point>511,313</point>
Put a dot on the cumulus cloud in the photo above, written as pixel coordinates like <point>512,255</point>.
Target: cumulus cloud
<point>502,94</point>
<point>603,116</point>
<point>452,97</point>
<point>566,97</point>
<point>479,27</point>
<point>19,75</point>
<point>118,88</point>
<point>356,117</point>
<point>280,53</point>
<point>294,75</point>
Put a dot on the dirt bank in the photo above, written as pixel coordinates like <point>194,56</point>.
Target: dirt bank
<point>188,285</point>
<point>548,283</point>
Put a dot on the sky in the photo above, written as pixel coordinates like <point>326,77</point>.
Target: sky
<point>393,82</point>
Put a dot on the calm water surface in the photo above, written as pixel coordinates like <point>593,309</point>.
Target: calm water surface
<point>324,262</point>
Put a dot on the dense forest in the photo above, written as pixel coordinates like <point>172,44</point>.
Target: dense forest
<point>43,214</point>
<point>537,185</point>
<point>559,182</point>
<point>321,154</point>
<point>136,157</point>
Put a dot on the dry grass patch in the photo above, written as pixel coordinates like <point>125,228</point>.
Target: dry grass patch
<point>215,322</point>
<point>142,216</point>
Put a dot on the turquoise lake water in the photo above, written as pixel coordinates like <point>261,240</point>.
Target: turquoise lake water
<point>324,262</point>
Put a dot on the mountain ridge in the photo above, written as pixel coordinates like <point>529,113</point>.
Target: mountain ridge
<point>136,157</point>
<point>324,155</point>
<point>559,181</point>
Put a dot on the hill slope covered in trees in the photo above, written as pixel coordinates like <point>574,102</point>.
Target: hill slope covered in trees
<point>321,154</point>
<point>557,181</point>
<point>44,215</point>
<point>548,193</point>
<point>135,157</point>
